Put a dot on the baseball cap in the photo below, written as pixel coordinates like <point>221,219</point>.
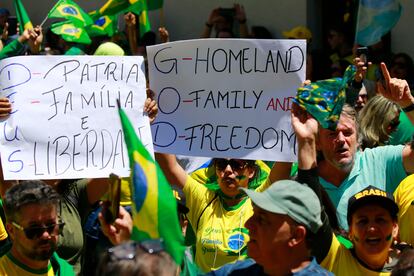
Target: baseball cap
<point>298,32</point>
<point>109,49</point>
<point>372,195</point>
<point>288,197</point>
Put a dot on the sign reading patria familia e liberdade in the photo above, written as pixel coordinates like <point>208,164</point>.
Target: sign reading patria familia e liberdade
<point>226,97</point>
<point>65,121</point>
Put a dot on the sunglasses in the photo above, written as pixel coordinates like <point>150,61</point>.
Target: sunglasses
<point>127,251</point>
<point>237,165</point>
<point>35,232</point>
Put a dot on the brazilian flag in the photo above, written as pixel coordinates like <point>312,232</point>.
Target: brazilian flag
<point>71,33</point>
<point>154,208</point>
<point>104,25</point>
<point>71,11</point>
<point>22,16</point>
<point>113,7</point>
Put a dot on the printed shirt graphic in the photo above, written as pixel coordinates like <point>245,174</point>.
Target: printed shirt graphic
<point>221,236</point>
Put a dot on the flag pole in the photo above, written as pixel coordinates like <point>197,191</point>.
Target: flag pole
<point>44,20</point>
<point>47,16</point>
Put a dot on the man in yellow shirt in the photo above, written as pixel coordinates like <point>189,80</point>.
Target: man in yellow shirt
<point>33,225</point>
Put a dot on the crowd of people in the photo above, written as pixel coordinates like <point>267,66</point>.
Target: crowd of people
<point>346,207</point>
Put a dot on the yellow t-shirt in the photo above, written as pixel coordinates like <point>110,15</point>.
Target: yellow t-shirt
<point>341,262</point>
<point>10,266</point>
<point>3,232</point>
<point>404,197</point>
<point>221,237</point>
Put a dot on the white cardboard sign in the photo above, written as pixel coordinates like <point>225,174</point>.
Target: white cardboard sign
<point>65,121</point>
<point>226,97</point>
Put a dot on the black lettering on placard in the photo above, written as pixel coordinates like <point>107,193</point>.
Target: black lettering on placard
<point>171,63</point>
<point>223,137</point>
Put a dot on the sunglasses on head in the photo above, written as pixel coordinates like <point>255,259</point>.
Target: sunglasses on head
<point>127,251</point>
<point>35,232</point>
<point>235,164</point>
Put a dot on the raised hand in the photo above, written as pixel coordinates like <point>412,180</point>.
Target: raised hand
<point>396,90</point>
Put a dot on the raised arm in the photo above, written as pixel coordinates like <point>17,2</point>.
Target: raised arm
<point>240,15</point>
<point>174,173</point>
<point>280,171</point>
<point>398,91</point>
<point>306,129</point>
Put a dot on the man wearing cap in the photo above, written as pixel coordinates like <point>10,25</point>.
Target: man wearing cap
<point>286,218</point>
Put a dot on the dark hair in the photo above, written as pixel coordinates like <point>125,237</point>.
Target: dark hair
<point>139,264</point>
<point>28,192</point>
<point>260,32</point>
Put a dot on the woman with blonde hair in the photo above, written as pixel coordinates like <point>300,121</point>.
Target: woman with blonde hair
<point>377,120</point>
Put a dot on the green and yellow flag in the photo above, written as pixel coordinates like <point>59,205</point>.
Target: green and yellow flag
<point>144,23</point>
<point>104,25</point>
<point>71,11</point>
<point>154,209</point>
<point>22,17</point>
<point>113,7</point>
<point>71,33</point>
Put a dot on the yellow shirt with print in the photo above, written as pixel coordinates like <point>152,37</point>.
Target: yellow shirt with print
<point>10,266</point>
<point>221,237</point>
<point>341,262</point>
<point>3,232</point>
<point>404,197</point>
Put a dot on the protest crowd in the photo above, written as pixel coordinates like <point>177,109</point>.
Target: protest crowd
<point>340,202</point>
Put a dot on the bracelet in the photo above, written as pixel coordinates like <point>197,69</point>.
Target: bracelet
<point>242,21</point>
<point>408,108</point>
<point>209,25</point>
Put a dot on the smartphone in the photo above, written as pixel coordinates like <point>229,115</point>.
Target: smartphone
<point>12,20</point>
<point>227,12</point>
<point>362,53</point>
<point>110,208</point>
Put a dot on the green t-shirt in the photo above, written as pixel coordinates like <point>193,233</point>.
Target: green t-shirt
<point>74,209</point>
<point>404,131</point>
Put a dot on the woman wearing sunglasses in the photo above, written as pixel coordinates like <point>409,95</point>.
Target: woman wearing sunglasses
<point>219,210</point>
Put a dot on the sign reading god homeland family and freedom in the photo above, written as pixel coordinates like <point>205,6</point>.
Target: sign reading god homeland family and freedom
<point>65,121</point>
<point>226,97</point>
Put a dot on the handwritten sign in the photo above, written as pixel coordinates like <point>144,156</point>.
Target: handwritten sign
<point>65,121</point>
<point>226,97</point>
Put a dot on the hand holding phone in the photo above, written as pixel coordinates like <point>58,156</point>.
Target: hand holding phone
<point>362,53</point>
<point>110,207</point>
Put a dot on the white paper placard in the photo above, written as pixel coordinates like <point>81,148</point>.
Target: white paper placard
<point>226,97</point>
<point>65,121</point>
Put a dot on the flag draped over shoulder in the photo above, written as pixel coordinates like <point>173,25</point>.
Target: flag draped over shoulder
<point>22,17</point>
<point>71,11</point>
<point>375,19</point>
<point>71,33</point>
<point>154,208</point>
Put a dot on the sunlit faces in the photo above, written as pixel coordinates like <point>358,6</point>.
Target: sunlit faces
<point>232,174</point>
<point>339,147</point>
<point>372,231</point>
<point>270,235</point>
<point>34,215</point>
